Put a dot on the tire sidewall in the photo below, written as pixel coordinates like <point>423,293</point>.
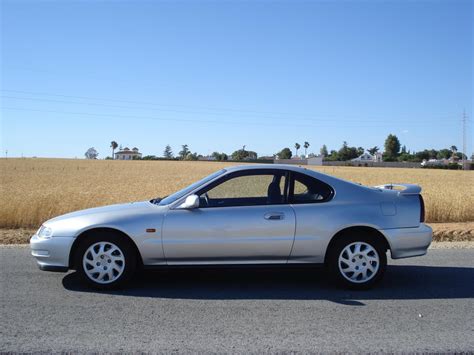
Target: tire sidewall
<point>125,247</point>
<point>333,261</point>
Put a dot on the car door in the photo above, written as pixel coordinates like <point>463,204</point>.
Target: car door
<point>312,201</point>
<point>243,217</point>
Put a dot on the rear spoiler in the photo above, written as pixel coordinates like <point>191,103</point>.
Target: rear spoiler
<point>407,189</point>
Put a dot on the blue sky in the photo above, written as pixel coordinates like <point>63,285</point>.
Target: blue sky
<point>220,74</point>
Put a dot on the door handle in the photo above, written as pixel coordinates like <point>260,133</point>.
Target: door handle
<point>274,216</point>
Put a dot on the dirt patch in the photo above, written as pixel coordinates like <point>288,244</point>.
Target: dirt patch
<point>452,245</point>
<point>16,236</point>
<point>442,232</point>
<point>453,232</point>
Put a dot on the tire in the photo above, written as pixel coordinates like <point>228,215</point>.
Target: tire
<point>105,260</point>
<point>357,262</point>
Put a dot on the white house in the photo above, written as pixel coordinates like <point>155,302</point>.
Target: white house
<point>367,157</point>
<point>127,154</point>
<point>364,157</point>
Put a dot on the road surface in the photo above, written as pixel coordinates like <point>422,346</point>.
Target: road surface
<point>423,304</point>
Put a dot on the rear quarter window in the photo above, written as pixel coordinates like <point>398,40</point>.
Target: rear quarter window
<point>306,189</point>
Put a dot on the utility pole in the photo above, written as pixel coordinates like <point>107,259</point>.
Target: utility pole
<point>464,151</point>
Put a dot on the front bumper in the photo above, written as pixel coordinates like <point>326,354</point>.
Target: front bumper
<point>51,254</point>
<point>408,242</point>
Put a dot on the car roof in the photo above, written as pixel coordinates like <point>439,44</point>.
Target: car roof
<point>266,166</point>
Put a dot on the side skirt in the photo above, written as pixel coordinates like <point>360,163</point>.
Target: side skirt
<point>234,266</point>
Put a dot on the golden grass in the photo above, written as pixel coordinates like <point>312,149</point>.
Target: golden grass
<point>34,190</point>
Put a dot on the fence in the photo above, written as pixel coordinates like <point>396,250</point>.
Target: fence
<point>384,164</point>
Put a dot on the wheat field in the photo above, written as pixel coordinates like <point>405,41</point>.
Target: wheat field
<point>34,190</point>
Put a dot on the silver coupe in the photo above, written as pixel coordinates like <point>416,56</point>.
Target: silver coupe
<point>252,215</point>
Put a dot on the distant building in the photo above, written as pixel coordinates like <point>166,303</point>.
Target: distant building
<point>207,158</point>
<point>367,157</point>
<point>364,157</point>
<point>378,157</point>
<point>315,160</point>
<point>127,154</point>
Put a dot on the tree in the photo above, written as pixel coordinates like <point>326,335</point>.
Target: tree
<point>347,153</point>
<point>184,152</point>
<point>285,153</point>
<point>360,151</point>
<point>373,150</point>
<point>404,157</point>
<point>333,155</point>
<point>324,151</point>
<point>392,148</point>
<point>306,146</point>
<point>423,155</point>
<point>220,156</point>
<point>114,146</point>
<point>444,154</point>
<point>243,154</point>
<point>91,153</point>
<point>297,146</point>
<point>168,153</point>
<point>192,156</point>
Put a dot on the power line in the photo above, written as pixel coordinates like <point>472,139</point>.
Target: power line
<point>288,116</point>
<point>156,104</point>
<point>189,120</point>
<point>143,108</point>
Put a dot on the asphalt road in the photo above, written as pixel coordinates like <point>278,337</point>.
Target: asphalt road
<point>423,304</point>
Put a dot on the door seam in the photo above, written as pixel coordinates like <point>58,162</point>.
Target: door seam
<point>294,234</point>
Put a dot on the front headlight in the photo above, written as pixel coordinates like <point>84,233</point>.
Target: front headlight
<point>45,232</point>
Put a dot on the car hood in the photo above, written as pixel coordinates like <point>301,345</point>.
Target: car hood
<point>111,211</point>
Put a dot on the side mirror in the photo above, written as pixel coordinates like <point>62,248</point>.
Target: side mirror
<point>192,201</point>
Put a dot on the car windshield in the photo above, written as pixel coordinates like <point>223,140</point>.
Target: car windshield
<point>177,195</point>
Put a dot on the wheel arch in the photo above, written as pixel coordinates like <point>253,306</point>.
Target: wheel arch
<point>364,230</point>
<point>94,231</point>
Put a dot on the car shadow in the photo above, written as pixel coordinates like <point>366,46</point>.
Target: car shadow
<point>399,283</point>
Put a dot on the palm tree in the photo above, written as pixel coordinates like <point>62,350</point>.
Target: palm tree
<point>114,146</point>
<point>454,149</point>
<point>297,146</point>
<point>306,146</point>
<point>373,150</point>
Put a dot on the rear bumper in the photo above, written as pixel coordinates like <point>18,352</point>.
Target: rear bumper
<point>408,242</point>
<point>51,254</point>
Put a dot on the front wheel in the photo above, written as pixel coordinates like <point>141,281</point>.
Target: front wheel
<point>357,262</point>
<point>105,261</point>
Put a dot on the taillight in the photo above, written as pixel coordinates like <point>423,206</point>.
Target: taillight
<point>422,209</point>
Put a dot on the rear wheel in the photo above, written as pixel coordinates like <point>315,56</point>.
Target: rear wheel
<point>105,261</point>
<point>357,262</point>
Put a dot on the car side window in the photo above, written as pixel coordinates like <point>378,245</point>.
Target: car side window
<point>306,189</point>
<point>246,190</point>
